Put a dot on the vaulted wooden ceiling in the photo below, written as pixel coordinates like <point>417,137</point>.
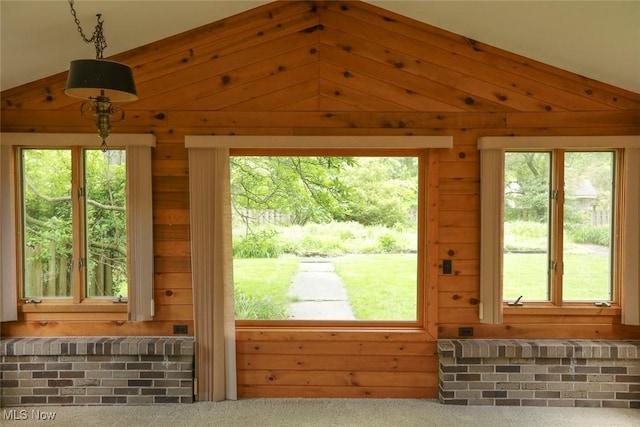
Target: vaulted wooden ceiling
<point>335,56</point>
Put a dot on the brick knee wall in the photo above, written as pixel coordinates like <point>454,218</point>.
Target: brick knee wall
<point>540,373</point>
<point>96,371</point>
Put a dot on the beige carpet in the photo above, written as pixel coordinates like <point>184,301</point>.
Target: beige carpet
<point>324,413</point>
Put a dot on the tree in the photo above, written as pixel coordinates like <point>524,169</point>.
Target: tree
<point>106,222</point>
<point>527,182</point>
<point>367,190</point>
<point>384,191</point>
<point>309,189</point>
<point>48,221</point>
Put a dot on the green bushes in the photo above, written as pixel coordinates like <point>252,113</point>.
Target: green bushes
<point>525,236</point>
<point>388,243</point>
<point>262,244</point>
<point>328,240</point>
<point>528,236</point>
<point>593,234</point>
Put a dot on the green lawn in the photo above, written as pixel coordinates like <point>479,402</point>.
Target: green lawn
<point>586,277</point>
<point>383,287</point>
<point>261,286</point>
<point>380,287</point>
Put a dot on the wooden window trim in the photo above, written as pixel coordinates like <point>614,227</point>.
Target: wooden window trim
<point>318,143</point>
<point>78,299</point>
<point>421,282</point>
<point>626,293</point>
<point>83,307</point>
<point>556,235</point>
<point>567,309</point>
<point>140,306</point>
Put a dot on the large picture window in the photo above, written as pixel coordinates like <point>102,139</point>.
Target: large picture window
<point>326,238</point>
<point>73,222</point>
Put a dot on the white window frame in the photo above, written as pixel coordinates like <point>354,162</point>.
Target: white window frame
<point>492,150</point>
<point>139,214</point>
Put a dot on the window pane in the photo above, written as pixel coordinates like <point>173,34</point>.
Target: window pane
<point>325,238</point>
<point>46,221</point>
<point>588,217</point>
<point>526,226</point>
<point>106,223</point>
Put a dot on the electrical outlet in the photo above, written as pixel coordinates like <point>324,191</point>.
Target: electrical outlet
<point>465,332</point>
<point>180,329</point>
<point>447,268</point>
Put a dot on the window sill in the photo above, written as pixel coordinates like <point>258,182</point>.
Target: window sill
<point>566,310</point>
<point>330,326</point>
<point>101,307</point>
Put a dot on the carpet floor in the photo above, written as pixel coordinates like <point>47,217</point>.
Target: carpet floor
<point>321,413</point>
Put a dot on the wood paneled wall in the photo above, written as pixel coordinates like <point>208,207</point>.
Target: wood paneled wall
<point>342,364</point>
<point>334,68</point>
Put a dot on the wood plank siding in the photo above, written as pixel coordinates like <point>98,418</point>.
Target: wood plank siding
<point>334,68</point>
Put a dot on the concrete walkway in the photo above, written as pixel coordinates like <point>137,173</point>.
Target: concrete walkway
<point>318,292</point>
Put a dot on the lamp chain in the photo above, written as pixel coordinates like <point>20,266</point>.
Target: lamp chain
<point>97,38</point>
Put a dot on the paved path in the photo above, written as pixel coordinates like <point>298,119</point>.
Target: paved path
<point>318,292</point>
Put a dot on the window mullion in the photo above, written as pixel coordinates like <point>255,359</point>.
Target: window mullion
<point>78,207</point>
<point>557,220</point>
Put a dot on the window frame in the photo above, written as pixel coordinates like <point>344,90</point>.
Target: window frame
<point>79,278</point>
<point>556,241</point>
<point>421,283</point>
<point>205,152</point>
<point>625,250</point>
<point>140,306</point>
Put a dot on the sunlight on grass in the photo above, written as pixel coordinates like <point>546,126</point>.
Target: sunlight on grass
<point>380,287</point>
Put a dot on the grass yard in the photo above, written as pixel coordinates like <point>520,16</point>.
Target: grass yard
<point>380,287</point>
<point>586,277</point>
<point>383,286</point>
<point>261,286</point>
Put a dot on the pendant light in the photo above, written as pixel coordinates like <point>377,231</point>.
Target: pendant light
<point>100,82</point>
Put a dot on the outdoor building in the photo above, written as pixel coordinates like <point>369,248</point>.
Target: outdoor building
<point>406,182</point>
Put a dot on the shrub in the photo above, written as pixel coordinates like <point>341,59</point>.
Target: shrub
<point>320,244</point>
<point>388,243</point>
<point>592,234</point>
<point>525,236</point>
<point>263,244</point>
<point>326,240</point>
